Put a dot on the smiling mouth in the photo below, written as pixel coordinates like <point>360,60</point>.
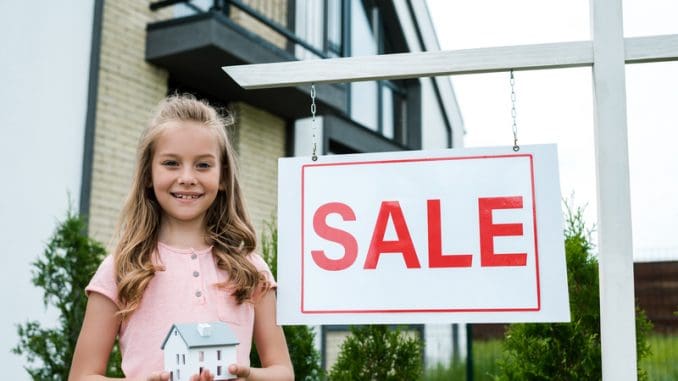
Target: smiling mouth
<point>186,196</point>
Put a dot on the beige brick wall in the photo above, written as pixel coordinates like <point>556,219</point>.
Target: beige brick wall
<point>261,141</point>
<point>129,88</point>
<point>275,10</point>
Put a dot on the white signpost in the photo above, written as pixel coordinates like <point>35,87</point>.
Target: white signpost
<point>606,53</point>
<point>426,236</point>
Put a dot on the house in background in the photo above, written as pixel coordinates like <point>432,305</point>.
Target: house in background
<point>190,349</point>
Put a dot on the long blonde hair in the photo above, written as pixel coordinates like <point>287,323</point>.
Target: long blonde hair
<point>229,228</point>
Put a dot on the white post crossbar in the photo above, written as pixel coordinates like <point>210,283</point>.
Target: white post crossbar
<point>606,53</point>
<point>429,64</point>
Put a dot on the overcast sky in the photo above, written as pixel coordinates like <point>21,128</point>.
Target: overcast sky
<point>556,106</point>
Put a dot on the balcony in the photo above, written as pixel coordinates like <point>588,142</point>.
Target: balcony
<point>193,49</point>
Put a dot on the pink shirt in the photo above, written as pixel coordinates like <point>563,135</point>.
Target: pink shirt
<point>183,293</point>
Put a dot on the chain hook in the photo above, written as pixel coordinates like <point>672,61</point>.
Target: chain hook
<point>314,157</point>
<point>514,127</point>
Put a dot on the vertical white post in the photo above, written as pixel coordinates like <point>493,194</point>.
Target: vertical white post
<point>617,307</point>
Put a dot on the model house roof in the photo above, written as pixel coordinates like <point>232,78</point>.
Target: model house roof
<point>197,335</point>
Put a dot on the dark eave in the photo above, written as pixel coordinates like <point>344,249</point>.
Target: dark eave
<point>193,49</point>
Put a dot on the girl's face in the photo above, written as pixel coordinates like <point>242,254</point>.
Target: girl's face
<point>186,168</point>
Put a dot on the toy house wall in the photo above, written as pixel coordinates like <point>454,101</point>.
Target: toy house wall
<point>175,345</point>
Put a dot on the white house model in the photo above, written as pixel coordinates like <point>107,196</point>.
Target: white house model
<point>191,348</point>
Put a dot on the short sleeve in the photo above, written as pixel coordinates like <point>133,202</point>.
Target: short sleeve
<point>263,268</point>
<point>103,281</point>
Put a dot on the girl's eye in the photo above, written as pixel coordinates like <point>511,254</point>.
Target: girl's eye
<point>170,163</point>
<point>204,165</point>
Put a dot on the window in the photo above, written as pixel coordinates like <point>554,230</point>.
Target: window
<point>183,359</point>
<point>201,356</point>
<point>321,24</point>
<point>378,105</point>
<point>177,359</point>
<point>334,28</point>
<point>218,370</point>
<point>218,355</point>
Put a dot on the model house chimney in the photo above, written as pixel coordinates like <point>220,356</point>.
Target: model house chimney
<point>204,329</point>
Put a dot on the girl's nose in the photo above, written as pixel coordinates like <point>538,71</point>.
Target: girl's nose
<point>187,178</point>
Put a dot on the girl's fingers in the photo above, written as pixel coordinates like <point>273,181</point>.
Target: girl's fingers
<point>239,370</point>
<point>204,376</point>
<point>158,376</point>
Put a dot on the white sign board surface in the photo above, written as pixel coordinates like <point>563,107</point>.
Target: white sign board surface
<point>458,235</point>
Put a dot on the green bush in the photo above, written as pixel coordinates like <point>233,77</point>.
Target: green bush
<point>67,264</point>
<point>567,351</point>
<point>305,358</point>
<point>377,352</point>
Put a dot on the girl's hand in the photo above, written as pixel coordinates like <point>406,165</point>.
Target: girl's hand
<point>158,376</point>
<point>204,376</point>
<point>241,371</point>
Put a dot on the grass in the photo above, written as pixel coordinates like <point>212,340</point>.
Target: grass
<point>485,356</point>
<point>661,365</point>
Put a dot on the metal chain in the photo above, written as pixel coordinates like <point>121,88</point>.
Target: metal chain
<point>516,147</point>
<point>315,136</point>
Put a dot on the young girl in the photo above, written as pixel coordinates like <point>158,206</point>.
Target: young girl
<point>185,255</point>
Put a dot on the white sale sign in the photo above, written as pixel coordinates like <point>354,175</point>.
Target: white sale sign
<point>460,235</point>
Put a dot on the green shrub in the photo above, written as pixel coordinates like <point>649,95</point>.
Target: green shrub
<point>377,352</point>
<point>305,358</point>
<point>67,264</point>
<point>567,351</point>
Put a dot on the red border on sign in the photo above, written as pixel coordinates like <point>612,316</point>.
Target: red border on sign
<point>425,310</point>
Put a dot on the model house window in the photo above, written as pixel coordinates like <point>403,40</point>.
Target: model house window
<point>177,359</point>
<point>218,370</point>
<point>218,355</point>
<point>183,359</point>
<point>201,356</point>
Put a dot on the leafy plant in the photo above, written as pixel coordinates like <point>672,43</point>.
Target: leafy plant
<point>377,352</point>
<point>305,358</point>
<point>63,271</point>
<point>568,351</point>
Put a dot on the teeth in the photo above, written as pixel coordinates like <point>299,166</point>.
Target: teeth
<point>186,196</point>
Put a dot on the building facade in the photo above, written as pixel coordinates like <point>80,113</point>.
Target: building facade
<point>133,53</point>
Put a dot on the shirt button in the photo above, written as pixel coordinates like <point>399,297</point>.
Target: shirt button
<point>194,256</point>
<point>198,294</point>
<point>196,274</point>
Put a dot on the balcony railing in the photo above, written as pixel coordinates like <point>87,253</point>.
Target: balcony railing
<point>223,7</point>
